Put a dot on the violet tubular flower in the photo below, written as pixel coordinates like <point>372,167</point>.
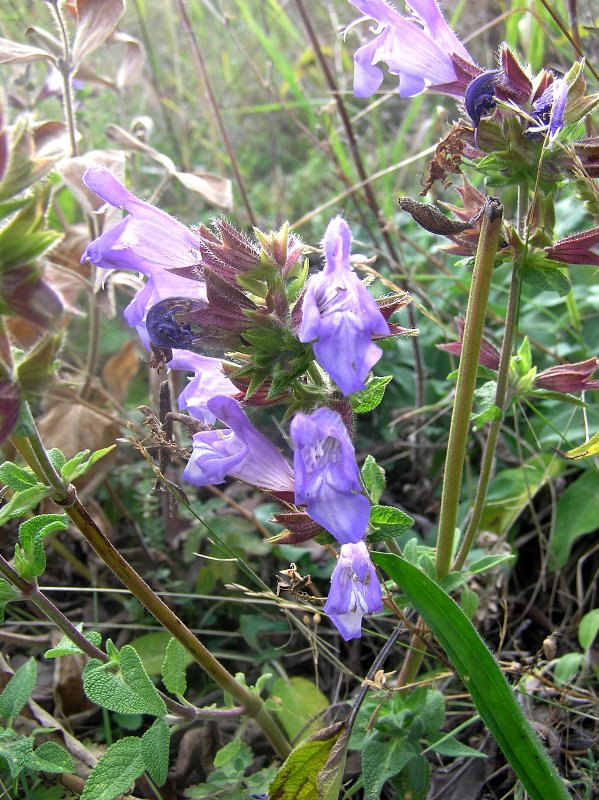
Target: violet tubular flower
<point>327,480</point>
<point>355,590</point>
<point>339,315</point>
<point>418,48</point>
<point>149,241</point>
<point>207,382</point>
<point>238,450</point>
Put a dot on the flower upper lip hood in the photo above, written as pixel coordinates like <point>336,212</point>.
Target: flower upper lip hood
<point>340,316</point>
<point>418,48</point>
<point>149,241</point>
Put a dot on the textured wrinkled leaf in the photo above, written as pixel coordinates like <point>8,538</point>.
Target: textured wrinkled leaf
<point>450,746</point>
<point>174,668</point>
<point>82,462</point>
<point>128,691</point>
<point>51,757</point>
<point>370,397</point>
<point>298,778</point>
<point>388,523</point>
<point>96,21</point>
<point>374,478</point>
<point>576,515</point>
<point>588,628</point>
<point>482,676</point>
<point>117,770</point>
<point>67,648</point>
<point>22,502</point>
<point>16,477</point>
<point>381,761</point>
<point>30,558</point>
<point>18,690</point>
<point>17,753</point>
<point>228,753</point>
<point>548,277</point>
<point>155,750</point>
<point>301,700</point>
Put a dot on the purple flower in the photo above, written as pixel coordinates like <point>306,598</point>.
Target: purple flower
<point>340,315</point>
<point>579,248</point>
<point>207,382</point>
<point>479,97</point>
<point>355,590</point>
<point>568,377</point>
<point>548,110</point>
<point>149,241</point>
<point>238,450</point>
<point>418,48</point>
<point>327,480</point>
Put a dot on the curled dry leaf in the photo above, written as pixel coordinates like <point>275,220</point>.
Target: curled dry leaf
<point>120,369</point>
<point>15,53</point>
<point>216,190</point>
<point>132,59</point>
<point>73,427</point>
<point>96,21</point>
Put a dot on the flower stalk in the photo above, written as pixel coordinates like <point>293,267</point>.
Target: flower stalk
<point>466,381</point>
<point>66,496</point>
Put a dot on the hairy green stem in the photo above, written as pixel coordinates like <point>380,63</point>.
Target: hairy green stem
<point>501,392</point>
<point>466,381</point>
<point>66,497</point>
<point>65,68</point>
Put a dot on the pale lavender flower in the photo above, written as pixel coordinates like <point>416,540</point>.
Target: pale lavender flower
<point>355,590</point>
<point>339,315</point>
<point>207,382</point>
<point>417,47</point>
<point>238,450</point>
<point>327,480</point>
<point>149,241</point>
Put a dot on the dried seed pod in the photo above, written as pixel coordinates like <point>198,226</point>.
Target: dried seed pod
<point>432,219</point>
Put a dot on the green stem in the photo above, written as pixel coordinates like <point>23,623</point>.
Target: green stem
<point>488,459</point>
<point>65,68</point>
<point>464,394</point>
<point>66,497</point>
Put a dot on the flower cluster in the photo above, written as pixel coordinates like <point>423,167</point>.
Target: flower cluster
<point>210,295</point>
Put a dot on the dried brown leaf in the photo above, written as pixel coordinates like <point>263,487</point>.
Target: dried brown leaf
<point>15,53</point>
<point>71,171</point>
<point>120,369</point>
<point>215,189</point>
<point>96,21</point>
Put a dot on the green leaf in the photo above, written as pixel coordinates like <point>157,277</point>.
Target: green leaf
<point>566,667</point>
<point>17,753</point>
<point>469,601</point>
<point>7,594</point>
<point>588,628</point>
<point>547,276</point>
<point>128,691</point>
<point>17,478</point>
<point>370,397</point>
<point>57,458</point>
<point>482,676</point>
<point>51,757</point>
<point>80,464</point>
<point>18,690</point>
<point>576,515</point>
<point>67,648</point>
<point>374,478</point>
<point>228,753</point>
<point>450,746</point>
<point>22,502</point>
<point>30,558</point>
<point>388,523</point>
<point>301,700</point>
<point>155,750</point>
<point>589,448</point>
<point>117,770</point>
<point>382,760</point>
<point>151,648</point>
<point>174,668</point>
<point>488,562</point>
<point>299,776</point>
